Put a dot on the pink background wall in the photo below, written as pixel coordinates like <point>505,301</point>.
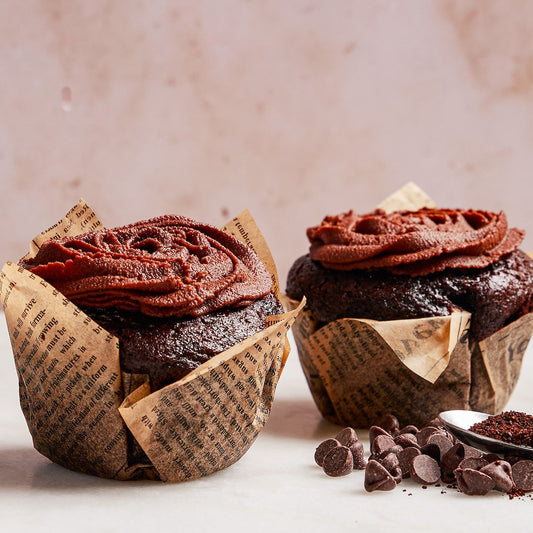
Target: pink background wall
<point>292,109</point>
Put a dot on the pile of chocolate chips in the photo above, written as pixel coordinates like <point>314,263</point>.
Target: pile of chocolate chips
<point>426,455</point>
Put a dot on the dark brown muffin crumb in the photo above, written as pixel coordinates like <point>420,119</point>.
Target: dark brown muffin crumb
<point>169,348</point>
<point>495,295</point>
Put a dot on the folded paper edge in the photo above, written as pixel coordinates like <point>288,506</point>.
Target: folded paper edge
<point>458,322</point>
<point>483,346</point>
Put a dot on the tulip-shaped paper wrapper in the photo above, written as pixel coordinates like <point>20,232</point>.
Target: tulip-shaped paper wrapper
<point>88,415</point>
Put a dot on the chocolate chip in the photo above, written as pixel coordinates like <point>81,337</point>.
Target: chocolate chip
<point>473,482</point>
<point>391,463</point>
<point>381,443</point>
<point>472,452</point>
<point>425,470</point>
<point>338,462</point>
<point>405,459</point>
<point>406,440</point>
<point>347,436</point>
<point>323,449</point>
<point>523,475</point>
<point>390,424</point>
<point>374,431</point>
<point>491,457</point>
<point>453,458</point>
<point>423,435</point>
<point>474,463</point>
<point>436,422</point>
<point>501,474</point>
<point>409,429</point>
<point>511,458</point>
<point>442,441</point>
<point>377,477</point>
<point>358,455</point>
<point>432,450</point>
<point>378,456</point>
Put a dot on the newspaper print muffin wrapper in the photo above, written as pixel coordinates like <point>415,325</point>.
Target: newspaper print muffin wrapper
<point>86,414</point>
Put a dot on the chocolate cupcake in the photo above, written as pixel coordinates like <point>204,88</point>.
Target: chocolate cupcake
<point>415,264</point>
<point>381,286</point>
<point>153,351</point>
<point>174,291</point>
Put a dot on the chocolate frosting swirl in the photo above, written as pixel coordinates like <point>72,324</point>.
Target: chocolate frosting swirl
<point>166,266</point>
<point>413,242</point>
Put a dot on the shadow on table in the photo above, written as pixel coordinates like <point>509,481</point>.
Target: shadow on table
<point>298,419</point>
<point>25,468</point>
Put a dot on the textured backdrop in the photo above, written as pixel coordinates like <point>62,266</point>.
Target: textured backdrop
<point>291,109</point>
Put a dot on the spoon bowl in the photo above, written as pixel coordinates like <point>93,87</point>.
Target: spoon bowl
<point>459,422</point>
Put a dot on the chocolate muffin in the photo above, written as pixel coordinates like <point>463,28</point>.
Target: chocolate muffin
<point>174,291</point>
<point>415,264</point>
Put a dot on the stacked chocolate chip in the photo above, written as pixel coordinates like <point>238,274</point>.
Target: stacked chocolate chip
<point>342,454</point>
<point>427,456</point>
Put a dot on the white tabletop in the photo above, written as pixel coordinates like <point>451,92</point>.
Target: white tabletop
<point>275,486</point>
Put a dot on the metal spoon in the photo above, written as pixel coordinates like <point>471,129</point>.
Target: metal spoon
<point>459,422</point>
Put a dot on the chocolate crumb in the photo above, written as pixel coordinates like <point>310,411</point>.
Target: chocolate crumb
<point>516,493</point>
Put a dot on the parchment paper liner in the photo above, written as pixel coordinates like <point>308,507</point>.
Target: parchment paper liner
<point>359,370</point>
<point>79,405</point>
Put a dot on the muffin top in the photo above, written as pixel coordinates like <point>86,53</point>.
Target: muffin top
<point>166,266</point>
<point>413,242</point>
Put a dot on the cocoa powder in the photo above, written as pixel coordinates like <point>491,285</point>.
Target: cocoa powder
<point>511,426</point>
